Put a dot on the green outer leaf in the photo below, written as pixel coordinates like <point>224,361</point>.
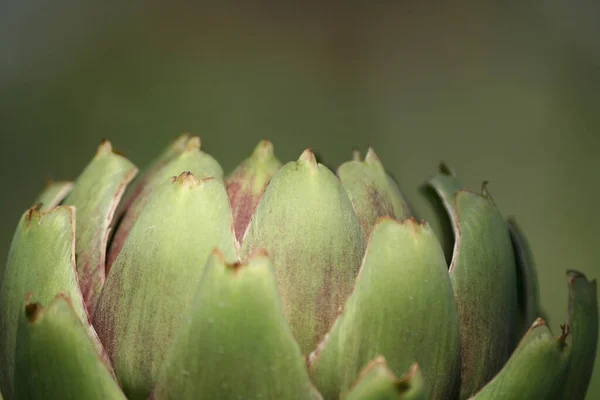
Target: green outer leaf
<point>247,183</point>
<point>96,194</point>
<point>402,308</point>
<point>41,262</point>
<point>483,275</point>
<point>536,370</point>
<point>528,294</point>
<point>56,359</point>
<point>583,320</point>
<point>235,342</point>
<point>53,194</point>
<point>192,159</point>
<point>306,223</point>
<point>372,192</point>
<point>377,382</point>
<point>154,278</point>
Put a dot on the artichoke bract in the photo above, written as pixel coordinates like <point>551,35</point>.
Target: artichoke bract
<point>277,282</point>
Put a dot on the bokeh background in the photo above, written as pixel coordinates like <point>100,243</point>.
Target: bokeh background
<point>502,92</point>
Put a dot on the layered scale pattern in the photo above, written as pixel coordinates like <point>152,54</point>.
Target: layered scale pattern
<point>277,281</point>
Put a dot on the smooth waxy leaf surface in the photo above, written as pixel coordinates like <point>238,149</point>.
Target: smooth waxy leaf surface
<point>401,308</point>
<point>377,382</point>
<point>246,184</point>
<point>96,194</point>
<point>235,342</point>
<point>306,223</point>
<point>483,275</point>
<point>528,295</point>
<point>172,163</point>
<point>583,321</point>
<point>154,278</point>
<point>56,359</point>
<point>53,194</point>
<point>536,370</point>
<point>372,192</point>
<point>41,262</point>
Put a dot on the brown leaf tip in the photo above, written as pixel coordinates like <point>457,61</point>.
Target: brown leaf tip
<point>33,212</point>
<point>446,170</point>
<point>264,150</point>
<point>371,157</point>
<point>236,266</point>
<point>105,147</point>
<point>308,157</point>
<point>186,179</point>
<point>33,311</point>
<point>484,189</point>
<point>404,384</point>
<point>193,144</point>
<point>565,331</point>
<point>539,321</point>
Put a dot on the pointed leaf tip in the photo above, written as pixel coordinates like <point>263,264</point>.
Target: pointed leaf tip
<point>246,184</point>
<point>32,311</point>
<point>105,147</point>
<point>356,156</point>
<point>372,158</point>
<point>309,157</point>
<point>264,150</point>
<point>372,191</point>
<point>193,144</point>
<point>187,179</point>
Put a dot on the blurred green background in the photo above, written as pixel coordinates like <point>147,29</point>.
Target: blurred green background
<point>507,93</point>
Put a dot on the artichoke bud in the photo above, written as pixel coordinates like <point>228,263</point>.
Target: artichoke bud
<point>372,191</point>
<point>247,183</point>
<point>339,294</point>
<point>306,223</point>
<point>189,158</point>
<point>157,272</point>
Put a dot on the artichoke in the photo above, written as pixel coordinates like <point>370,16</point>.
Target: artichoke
<point>277,282</point>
